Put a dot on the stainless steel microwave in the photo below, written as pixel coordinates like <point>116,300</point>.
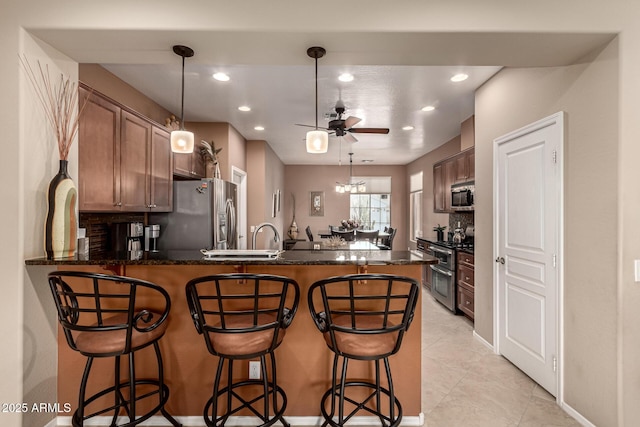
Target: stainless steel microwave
<point>462,196</point>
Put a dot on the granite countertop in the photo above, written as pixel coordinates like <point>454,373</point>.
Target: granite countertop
<point>312,257</point>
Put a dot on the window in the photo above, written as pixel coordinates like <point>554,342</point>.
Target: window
<point>415,206</point>
<point>372,209</point>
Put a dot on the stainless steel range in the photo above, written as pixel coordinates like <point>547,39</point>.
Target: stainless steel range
<point>441,277</point>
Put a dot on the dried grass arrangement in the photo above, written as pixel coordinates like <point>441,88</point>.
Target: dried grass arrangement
<point>209,152</point>
<point>59,100</point>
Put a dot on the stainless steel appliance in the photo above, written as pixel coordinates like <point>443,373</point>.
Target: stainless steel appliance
<point>203,217</point>
<point>462,196</point>
<point>443,275</point>
<point>126,237</point>
<point>151,234</point>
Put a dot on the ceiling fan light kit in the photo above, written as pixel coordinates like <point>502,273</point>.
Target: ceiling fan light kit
<point>182,141</point>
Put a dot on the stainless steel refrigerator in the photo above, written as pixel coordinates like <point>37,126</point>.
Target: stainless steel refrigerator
<point>203,217</point>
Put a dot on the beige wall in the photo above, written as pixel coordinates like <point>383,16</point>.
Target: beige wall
<point>425,164</point>
<point>108,84</point>
<point>300,180</point>
<point>588,95</point>
<point>265,176</point>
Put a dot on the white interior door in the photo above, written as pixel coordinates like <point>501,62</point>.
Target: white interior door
<point>239,177</point>
<point>528,189</point>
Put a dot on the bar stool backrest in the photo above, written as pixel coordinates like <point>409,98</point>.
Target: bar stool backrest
<point>373,308</point>
<point>252,305</point>
<point>108,305</point>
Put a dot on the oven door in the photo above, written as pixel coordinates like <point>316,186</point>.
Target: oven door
<point>444,255</point>
<point>443,287</point>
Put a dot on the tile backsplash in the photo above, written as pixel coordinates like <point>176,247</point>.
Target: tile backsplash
<point>465,218</point>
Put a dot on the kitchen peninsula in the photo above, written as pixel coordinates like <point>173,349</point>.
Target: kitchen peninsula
<point>304,361</point>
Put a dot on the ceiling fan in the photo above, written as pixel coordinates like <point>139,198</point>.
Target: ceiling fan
<point>341,126</point>
<point>338,126</point>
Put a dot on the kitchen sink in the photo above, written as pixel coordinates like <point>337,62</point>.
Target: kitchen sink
<point>241,254</point>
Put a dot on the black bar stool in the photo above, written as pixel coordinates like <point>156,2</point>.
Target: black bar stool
<point>363,317</point>
<point>244,316</point>
<point>101,317</point>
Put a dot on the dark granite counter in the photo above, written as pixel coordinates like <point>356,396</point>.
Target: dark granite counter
<point>311,257</point>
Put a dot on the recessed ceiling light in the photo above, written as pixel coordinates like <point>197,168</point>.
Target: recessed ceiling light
<point>244,108</point>
<point>428,108</point>
<point>259,128</point>
<point>367,161</point>
<point>459,77</point>
<point>221,77</point>
<point>407,128</point>
<point>345,77</point>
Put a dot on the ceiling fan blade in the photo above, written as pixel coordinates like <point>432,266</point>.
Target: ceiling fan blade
<point>351,121</point>
<point>311,126</point>
<point>369,130</point>
<point>350,138</point>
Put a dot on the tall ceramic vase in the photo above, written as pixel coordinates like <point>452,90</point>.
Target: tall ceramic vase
<point>60,231</point>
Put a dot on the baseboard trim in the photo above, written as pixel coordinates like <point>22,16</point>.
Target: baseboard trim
<point>483,341</point>
<point>197,421</point>
<point>576,415</point>
<point>52,423</point>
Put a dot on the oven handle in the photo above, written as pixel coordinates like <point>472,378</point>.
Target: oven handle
<point>441,271</point>
<point>442,251</point>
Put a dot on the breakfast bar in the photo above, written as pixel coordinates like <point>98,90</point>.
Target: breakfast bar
<point>304,361</point>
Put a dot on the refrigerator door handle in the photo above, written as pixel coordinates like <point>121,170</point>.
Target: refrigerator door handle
<point>231,226</point>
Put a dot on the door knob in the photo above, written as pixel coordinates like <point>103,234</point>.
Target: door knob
<point>500,260</point>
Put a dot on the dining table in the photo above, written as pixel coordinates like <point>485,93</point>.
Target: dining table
<point>325,234</point>
<point>361,245</point>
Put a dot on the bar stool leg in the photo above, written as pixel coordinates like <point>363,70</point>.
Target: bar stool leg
<point>78,417</point>
<point>164,391</point>
<point>392,396</point>
<point>118,398</point>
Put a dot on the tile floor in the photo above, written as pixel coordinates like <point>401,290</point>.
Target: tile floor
<point>466,384</point>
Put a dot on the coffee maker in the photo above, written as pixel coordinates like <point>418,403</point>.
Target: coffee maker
<point>151,234</point>
<point>127,237</point>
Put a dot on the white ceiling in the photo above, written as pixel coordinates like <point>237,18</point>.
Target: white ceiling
<point>395,75</point>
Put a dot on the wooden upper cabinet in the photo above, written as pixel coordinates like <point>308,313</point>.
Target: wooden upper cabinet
<point>449,178</point>
<point>438,188</point>
<point>125,160</point>
<point>189,165</point>
<point>161,171</point>
<point>134,168</point>
<point>456,169</point>
<point>98,154</point>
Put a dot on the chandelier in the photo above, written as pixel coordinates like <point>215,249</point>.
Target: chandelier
<point>350,186</point>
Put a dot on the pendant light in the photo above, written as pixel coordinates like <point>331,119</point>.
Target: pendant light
<point>317,140</point>
<point>182,141</point>
<point>350,186</point>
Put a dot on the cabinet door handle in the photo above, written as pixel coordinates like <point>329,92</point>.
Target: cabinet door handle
<point>466,278</point>
<point>468,302</point>
<point>117,204</point>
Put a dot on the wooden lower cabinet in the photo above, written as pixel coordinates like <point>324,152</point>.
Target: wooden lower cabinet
<point>465,282</point>
<point>125,160</point>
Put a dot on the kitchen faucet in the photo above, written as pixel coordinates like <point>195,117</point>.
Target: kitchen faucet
<point>276,237</point>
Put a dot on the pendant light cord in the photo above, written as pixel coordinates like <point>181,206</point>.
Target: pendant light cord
<point>182,102</point>
<point>316,93</point>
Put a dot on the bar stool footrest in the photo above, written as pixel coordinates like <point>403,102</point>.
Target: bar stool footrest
<point>360,406</point>
<point>269,420</point>
<point>124,403</point>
